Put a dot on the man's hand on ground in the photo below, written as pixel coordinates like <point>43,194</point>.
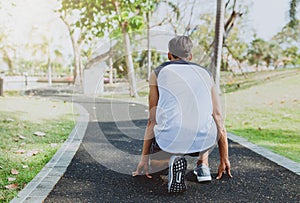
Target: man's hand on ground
<point>142,169</point>
<point>224,167</point>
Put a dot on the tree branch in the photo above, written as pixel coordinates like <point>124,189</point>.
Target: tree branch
<point>98,59</point>
<point>188,27</point>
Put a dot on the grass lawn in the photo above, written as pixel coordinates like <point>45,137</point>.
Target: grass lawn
<point>22,153</point>
<point>268,113</point>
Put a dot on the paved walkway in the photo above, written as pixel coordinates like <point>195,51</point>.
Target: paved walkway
<point>109,152</point>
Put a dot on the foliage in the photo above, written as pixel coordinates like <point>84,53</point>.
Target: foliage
<point>110,18</point>
<point>292,55</point>
<point>288,35</point>
<point>256,51</point>
<point>269,52</point>
<point>281,49</point>
<point>104,18</point>
<point>156,60</point>
<point>292,13</point>
<point>95,20</point>
<point>272,54</point>
<point>6,50</point>
<point>140,61</point>
<point>234,48</point>
<point>203,37</point>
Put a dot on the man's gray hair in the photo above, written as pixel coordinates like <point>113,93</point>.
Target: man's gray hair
<point>181,46</point>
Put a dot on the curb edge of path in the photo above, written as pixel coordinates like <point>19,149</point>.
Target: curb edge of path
<point>276,158</point>
<point>42,184</point>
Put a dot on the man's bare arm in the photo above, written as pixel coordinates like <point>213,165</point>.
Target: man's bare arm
<point>222,135</point>
<point>149,133</point>
<point>153,99</point>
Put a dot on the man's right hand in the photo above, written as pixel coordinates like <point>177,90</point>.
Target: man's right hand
<point>224,166</point>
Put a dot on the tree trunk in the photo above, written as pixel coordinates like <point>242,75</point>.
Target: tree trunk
<point>80,66</point>
<point>129,62</point>
<point>219,32</point>
<point>49,71</point>
<point>111,79</point>
<point>128,55</point>
<point>78,71</point>
<point>148,47</point>
<point>6,58</point>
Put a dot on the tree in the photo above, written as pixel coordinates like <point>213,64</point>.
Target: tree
<point>113,17</point>
<point>152,7</point>
<point>203,36</point>
<point>44,47</point>
<point>218,43</point>
<point>78,72</point>
<point>156,59</point>
<point>257,51</point>
<point>222,31</point>
<point>291,56</point>
<point>211,40</point>
<point>288,39</point>
<point>288,35</point>
<point>292,13</point>
<point>272,53</point>
<point>8,52</point>
<point>236,48</point>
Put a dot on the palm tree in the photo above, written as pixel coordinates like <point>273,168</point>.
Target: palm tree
<point>292,12</point>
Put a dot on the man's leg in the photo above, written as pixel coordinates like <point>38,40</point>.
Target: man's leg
<point>177,165</point>
<point>202,170</point>
<point>159,160</point>
<point>159,165</point>
<point>203,158</point>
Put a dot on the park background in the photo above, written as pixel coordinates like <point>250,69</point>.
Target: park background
<point>51,44</point>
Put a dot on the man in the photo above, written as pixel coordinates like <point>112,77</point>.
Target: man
<point>184,119</point>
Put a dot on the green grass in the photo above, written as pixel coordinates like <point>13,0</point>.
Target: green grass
<point>283,142</point>
<point>11,93</point>
<point>232,83</point>
<point>18,134</point>
<point>268,113</point>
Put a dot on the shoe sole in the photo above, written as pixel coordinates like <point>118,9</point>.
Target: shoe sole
<point>202,178</point>
<point>177,174</point>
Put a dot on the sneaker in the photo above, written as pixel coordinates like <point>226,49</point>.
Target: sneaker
<point>177,168</point>
<point>202,172</point>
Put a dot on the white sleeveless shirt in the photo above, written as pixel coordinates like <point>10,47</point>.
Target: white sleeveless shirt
<point>184,111</point>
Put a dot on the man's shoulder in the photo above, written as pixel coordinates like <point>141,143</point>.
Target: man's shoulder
<point>202,67</point>
<point>160,67</point>
<point>169,63</point>
<point>180,62</point>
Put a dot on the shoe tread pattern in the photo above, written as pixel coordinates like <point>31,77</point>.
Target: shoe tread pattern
<point>177,184</point>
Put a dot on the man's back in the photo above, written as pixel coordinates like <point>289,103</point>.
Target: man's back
<point>184,110</point>
<point>184,118</point>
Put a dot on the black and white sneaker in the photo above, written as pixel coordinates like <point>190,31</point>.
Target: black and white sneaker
<point>203,173</point>
<point>177,168</point>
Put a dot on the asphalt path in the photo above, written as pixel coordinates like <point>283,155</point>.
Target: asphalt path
<point>101,169</point>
